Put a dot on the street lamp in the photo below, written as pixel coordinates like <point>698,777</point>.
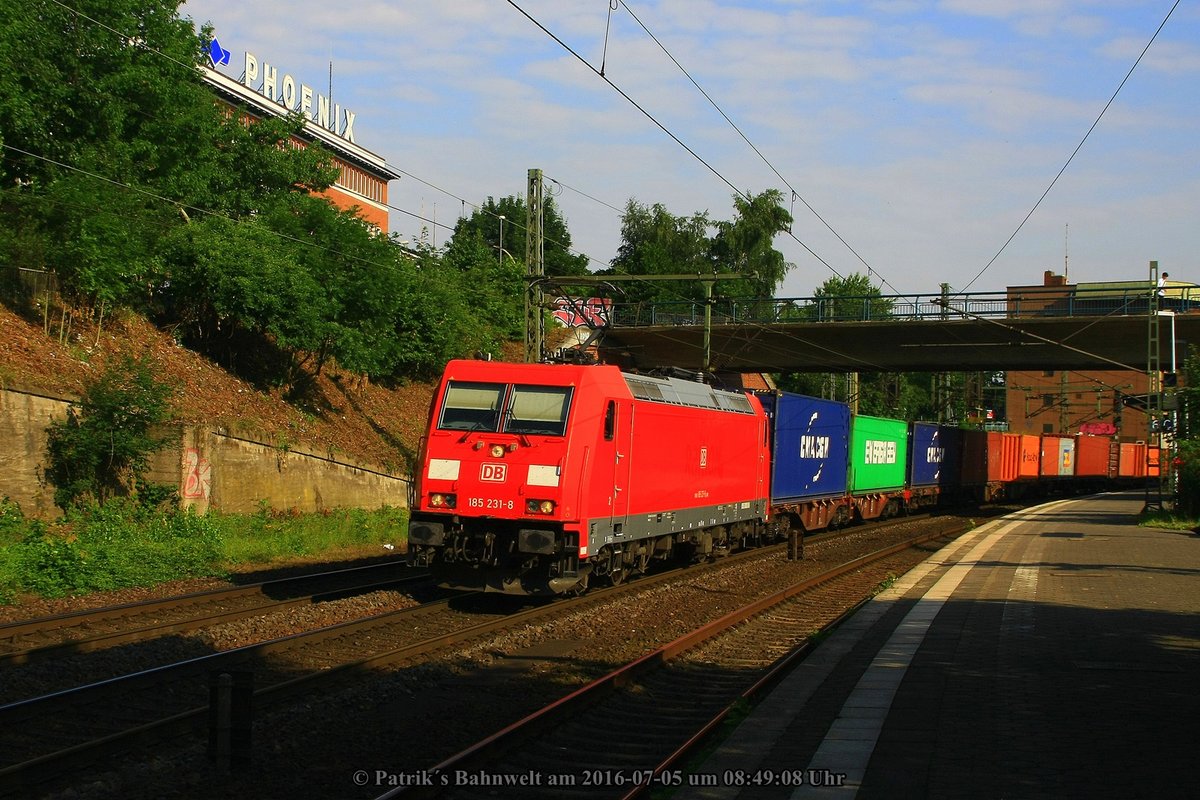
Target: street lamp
<point>500,244</point>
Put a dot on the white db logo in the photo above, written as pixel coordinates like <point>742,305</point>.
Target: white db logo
<point>493,473</point>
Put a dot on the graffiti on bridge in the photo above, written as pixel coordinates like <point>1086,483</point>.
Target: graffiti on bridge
<point>577,312</point>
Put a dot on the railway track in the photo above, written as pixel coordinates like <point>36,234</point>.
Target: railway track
<point>90,630</point>
<point>628,732</point>
<point>61,738</point>
<point>45,737</point>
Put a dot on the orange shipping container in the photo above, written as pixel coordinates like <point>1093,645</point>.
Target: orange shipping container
<point>1091,455</point>
<point>1133,460</point>
<point>1003,456</point>
<point>1031,454</point>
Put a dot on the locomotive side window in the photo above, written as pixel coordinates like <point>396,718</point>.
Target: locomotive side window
<point>471,406</point>
<point>538,409</point>
<point>610,420</point>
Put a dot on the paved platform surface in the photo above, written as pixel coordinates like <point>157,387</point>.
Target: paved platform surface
<point>1051,654</point>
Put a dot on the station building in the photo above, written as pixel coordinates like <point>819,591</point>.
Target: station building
<point>263,91</point>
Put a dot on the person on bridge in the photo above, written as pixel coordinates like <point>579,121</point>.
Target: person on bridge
<point>1162,284</point>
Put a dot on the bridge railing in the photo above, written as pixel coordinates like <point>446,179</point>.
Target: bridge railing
<point>1124,300</point>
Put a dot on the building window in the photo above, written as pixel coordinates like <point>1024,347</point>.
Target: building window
<point>1048,427</point>
<point>1047,400</point>
<point>1048,373</point>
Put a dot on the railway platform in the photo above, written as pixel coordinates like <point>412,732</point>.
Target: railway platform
<point>1052,653</point>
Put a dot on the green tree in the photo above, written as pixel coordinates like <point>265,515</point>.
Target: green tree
<point>484,224</point>
<point>849,298</point>
<point>492,271</point>
<point>656,242</point>
<point>436,321</point>
<point>102,450</point>
<point>123,176</point>
<point>85,111</point>
<point>1188,437</point>
<point>493,285</point>
<point>75,93</point>
<point>746,244</point>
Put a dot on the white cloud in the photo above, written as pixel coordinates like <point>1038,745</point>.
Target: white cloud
<point>922,133</point>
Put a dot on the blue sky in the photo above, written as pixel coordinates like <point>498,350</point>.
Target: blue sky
<point>922,133</point>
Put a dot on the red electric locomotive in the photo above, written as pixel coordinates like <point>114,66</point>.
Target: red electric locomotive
<point>536,477</point>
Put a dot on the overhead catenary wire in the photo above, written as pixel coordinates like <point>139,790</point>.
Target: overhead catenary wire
<point>125,37</point>
<point>201,212</point>
<point>207,212</point>
<point>794,193</point>
<point>720,176</point>
<point>1074,152</point>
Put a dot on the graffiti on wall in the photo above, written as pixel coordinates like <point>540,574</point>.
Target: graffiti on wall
<point>577,312</point>
<point>197,475</point>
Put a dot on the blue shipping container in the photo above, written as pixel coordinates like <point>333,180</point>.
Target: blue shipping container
<point>935,453</point>
<point>810,444</point>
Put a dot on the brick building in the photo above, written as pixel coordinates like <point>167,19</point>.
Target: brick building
<point>263,91</point>
<point>1104,402</point>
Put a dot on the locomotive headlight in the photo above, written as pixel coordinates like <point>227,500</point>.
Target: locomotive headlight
<point>439,500</point>
<point>497,451</point>
<point>539,506</point>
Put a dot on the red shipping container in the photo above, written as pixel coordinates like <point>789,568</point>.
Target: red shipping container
<point>1091,455</point>
<point>974,458</point>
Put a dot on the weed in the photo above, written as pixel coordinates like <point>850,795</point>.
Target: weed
<point>124,543</point>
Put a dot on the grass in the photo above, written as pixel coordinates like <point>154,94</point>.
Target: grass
<point>1169,520</point>
<point>268,536</point>
<point>120,545</point>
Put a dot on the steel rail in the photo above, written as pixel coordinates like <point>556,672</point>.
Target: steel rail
<point>486,750</point>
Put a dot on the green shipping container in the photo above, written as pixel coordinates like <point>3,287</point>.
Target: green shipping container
<point>878,454</point>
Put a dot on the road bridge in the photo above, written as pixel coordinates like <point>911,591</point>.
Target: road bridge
<point>1060,328</point>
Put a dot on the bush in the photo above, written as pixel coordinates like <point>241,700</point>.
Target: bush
<point>124,546</point>
<point>112,546</point>
<point>49,564</point>
<point>13,524</point>
<point>1188,500</point>
<point>102,450</point>
<point>122,543</point>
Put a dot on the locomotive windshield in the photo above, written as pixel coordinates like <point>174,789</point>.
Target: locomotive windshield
<point>538,409</point>
<point>471,406</point>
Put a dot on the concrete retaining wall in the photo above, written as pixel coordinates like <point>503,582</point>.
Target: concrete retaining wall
<point>211,467</point>
<point>23,420</point>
